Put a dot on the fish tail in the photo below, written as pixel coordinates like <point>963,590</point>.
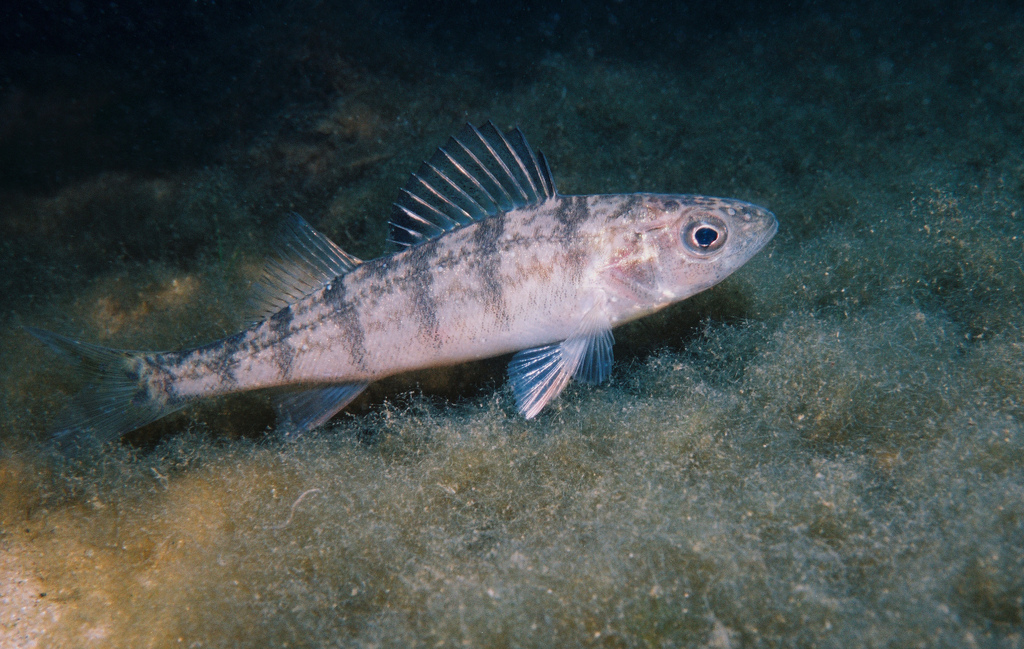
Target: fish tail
<point>116,399</point>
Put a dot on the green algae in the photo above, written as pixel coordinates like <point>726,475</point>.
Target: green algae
<point>826,450</point>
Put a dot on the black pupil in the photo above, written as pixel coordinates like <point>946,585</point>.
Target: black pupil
<point>705,237</point>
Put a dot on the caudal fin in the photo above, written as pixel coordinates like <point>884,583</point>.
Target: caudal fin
<point>114,401</point>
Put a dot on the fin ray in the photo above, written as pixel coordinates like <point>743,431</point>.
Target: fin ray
<point>470,178</point>
<point>499,205</point>
<point>538,375</point>
<point>596,365</point>
<point>513,164</point>
<point>531,163</point>
<point>301,409</point>
<point>496,157</point>
<point>428,210</point>
<point>113,403</point>
<point>521,167</point>
<point>305,260</point>
<point>440,199</point>
<point>479,172</point>
<point>545,171</point>
<point>465,198</point>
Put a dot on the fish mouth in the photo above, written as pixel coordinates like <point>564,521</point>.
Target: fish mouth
<point>759,224</point>
<point>768,225</point>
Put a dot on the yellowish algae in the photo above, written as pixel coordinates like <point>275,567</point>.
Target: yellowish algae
<point>825,450</point>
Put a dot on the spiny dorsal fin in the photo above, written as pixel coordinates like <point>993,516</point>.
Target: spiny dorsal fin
<point>305,260</point>
<point>478,173</point>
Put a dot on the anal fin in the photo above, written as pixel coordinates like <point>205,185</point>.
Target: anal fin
<point>300,409</point>
<point>538,375</point>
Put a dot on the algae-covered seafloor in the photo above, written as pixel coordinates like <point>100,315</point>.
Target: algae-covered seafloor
<point>825,450</point>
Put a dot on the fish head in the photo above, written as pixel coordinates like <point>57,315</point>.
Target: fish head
<point>680,245</point>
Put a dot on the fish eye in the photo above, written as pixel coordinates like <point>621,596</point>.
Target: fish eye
<point>704,236</point>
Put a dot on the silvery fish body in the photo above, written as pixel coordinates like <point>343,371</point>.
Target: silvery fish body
<point>491,260</point>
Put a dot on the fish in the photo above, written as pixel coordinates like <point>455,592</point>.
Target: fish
<point>487,259</point>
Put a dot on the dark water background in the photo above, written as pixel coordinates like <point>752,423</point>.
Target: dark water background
<point>825,450</point>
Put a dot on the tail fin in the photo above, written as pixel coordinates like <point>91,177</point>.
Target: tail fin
<point>114,402</point>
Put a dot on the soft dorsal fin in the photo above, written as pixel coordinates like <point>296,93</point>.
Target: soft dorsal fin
<point>305,260</point>
<point>478,173</point>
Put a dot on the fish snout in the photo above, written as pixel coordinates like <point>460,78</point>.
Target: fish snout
<point>752,223</point>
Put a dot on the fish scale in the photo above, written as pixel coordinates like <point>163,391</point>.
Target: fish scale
<point>490,260</point>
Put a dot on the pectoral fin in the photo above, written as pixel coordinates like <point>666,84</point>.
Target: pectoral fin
<point>597,358</point>
<point>540,374</point>
<point>300,409</point>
